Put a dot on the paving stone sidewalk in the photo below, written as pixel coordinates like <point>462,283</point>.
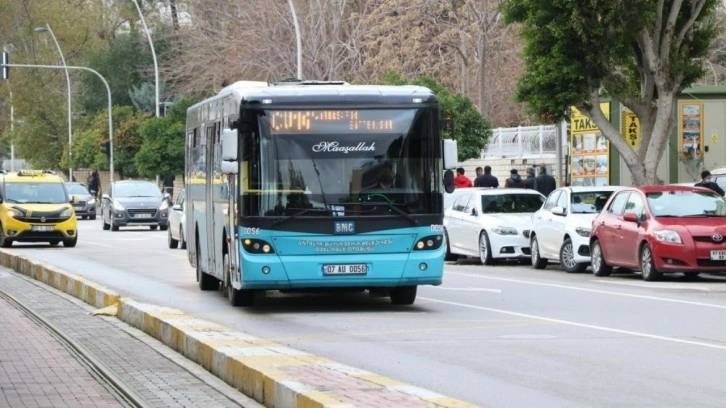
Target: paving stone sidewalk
<point>36,370</point>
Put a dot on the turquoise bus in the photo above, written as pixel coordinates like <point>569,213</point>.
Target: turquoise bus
<point>316,185</point>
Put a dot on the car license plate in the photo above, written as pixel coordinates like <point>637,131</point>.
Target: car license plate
<point>42,228</point>
<point>345,269</point>
<point>79,207</point>
<point>142,215</point>
<point>718,255</point>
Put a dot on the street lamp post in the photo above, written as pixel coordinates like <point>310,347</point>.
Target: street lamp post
<point>68,83</point>
<point>298,40</point>
<point>153,54</point>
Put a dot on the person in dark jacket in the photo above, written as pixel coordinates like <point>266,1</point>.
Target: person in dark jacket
<point>529,182</point>
<point>94,184</point>
<point>707,183</point>
<point>486,179</point>
<point>545,183</point>
<point>514,180</point>
<point>462,180</point>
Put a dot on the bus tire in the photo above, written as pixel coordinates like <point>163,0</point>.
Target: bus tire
<point>206,281</point>
<point>236,297</point>
<point>403,295</point>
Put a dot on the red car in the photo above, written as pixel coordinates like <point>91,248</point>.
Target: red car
<point>660,229</point>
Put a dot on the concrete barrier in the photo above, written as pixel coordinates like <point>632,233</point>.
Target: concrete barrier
<point>272,374</point>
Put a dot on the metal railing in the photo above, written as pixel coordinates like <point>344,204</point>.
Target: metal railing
<point>521,141</point>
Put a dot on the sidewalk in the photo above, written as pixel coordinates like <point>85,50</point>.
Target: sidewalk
<point>38,370</point>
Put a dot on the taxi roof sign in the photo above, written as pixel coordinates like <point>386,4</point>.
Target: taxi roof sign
<point>33,172</point>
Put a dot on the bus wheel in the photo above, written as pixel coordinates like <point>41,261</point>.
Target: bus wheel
<point>236,297</point>
<point>403,295</point>
<point>206,281</point>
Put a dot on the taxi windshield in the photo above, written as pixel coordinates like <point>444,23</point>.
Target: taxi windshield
<point>35,192</point>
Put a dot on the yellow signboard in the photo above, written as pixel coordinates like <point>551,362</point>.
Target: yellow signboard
<point>630,127</point>
<point>589,150</point>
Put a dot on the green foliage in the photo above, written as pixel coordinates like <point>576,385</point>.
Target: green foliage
<point>162,151</point>
<point>573,47</point>
<point>471,130</point>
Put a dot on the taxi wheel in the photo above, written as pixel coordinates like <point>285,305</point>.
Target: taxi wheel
<point>647,264</point>
<point>54,242</point>
<point>4,242</point>
<point>70,242</point>
<point>485,249</point>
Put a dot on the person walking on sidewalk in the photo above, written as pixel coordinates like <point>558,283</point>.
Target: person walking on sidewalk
<point>544,182</point>
<point>169,185</point>
<point>461,180</point>
<point>487,179</point>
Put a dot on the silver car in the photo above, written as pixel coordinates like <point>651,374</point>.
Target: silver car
<point>134,203</point>
<point>85,207</point>
<point>177,223</point>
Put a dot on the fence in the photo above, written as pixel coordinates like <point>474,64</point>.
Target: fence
<point>521,141</point>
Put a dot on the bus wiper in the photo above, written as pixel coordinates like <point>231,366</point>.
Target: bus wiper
<point>392,207</point>
<point>297,214</point>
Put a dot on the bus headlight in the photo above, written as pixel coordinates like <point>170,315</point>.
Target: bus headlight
<point>257,246</point>
<point>428,243</point>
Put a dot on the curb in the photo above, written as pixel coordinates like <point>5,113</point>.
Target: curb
<point>274,375</point>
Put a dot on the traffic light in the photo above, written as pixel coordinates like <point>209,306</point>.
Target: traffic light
<point>6,69</point>
<point>106,148</point>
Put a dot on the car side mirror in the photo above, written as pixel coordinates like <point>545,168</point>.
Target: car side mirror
<point>559,211</point>
<point>177,207</point>
<point>474,212</point>
<point>631,217</point>
<point>105,197</point>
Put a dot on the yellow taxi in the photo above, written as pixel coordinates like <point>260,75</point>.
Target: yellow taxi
<point>35,207</point>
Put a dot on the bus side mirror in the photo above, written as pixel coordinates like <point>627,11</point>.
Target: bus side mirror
<point>451,154</point>
<point>229,144</point>
<point>449,186</point>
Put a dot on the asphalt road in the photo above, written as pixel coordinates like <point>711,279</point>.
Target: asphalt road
<point>502,336</point>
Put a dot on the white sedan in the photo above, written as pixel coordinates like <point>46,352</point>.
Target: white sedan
<point>491,223</point>
<point>561,228</point>
<point>177,223</point>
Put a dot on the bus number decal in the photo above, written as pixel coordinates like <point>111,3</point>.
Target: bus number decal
<point>250,231</point>
<point>437,228</point>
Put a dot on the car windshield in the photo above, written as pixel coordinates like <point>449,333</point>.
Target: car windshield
<point>686,204</point>
<point>139,189</point>
<point>75,188</point>
<point>41,193</point>
<point>511,203</point>
<point>589,202</point>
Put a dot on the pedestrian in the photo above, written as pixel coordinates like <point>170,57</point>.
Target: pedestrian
<point>486,179</point>
<point>530,182</point>
<point>514,180</point>
<point>479,171</point>
<point>169,185</point>
<point>93,182</point>
<point>544,183</point>
<point>462,180</point>
<point>706,182</point>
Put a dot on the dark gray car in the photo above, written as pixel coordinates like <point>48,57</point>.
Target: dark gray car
<point>134,203</point>
<point>85,207</point>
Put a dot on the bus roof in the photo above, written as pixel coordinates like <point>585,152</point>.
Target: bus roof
<point>290,93</point>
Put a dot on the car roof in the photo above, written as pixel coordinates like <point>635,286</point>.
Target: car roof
<point>586,189</point>
<point>667,187</point>
<point>718,171</point>
<point>132,181</point>
<point>505,191</point>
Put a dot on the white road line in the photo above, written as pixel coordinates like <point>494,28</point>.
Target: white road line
<point>98,244</point>
<point>583,325</point>
<point>470,289</point>
<point>653,285</point>
<point>604,292</point>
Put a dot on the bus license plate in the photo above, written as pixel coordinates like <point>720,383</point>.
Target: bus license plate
<point>42,228</point>
<point>719,255</point>
<point>345,269</point>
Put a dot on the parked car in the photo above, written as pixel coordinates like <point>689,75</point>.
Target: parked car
<point>134,203</point>
<point>85,207</point>
<point>177,223</point>
<point>561,228</point>
<point>660,229</point>
<point>491,223</point>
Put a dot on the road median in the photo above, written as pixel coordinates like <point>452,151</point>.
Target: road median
<point>272,374</point>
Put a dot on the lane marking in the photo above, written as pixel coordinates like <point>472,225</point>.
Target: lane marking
<point>604,292</point>
<point>655,285</point>
<point>98,244</point>
<point>583,325</point>
<point>470,289</point>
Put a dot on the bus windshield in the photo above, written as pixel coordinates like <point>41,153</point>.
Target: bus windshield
<point>341,162</point>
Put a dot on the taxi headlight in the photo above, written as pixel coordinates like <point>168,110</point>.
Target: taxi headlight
<point>14,213</point>
<point>66,213</point>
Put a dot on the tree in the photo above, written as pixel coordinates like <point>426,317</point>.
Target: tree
<point>641,52</point>
<point>162,151</point>
<point>471,130</point>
